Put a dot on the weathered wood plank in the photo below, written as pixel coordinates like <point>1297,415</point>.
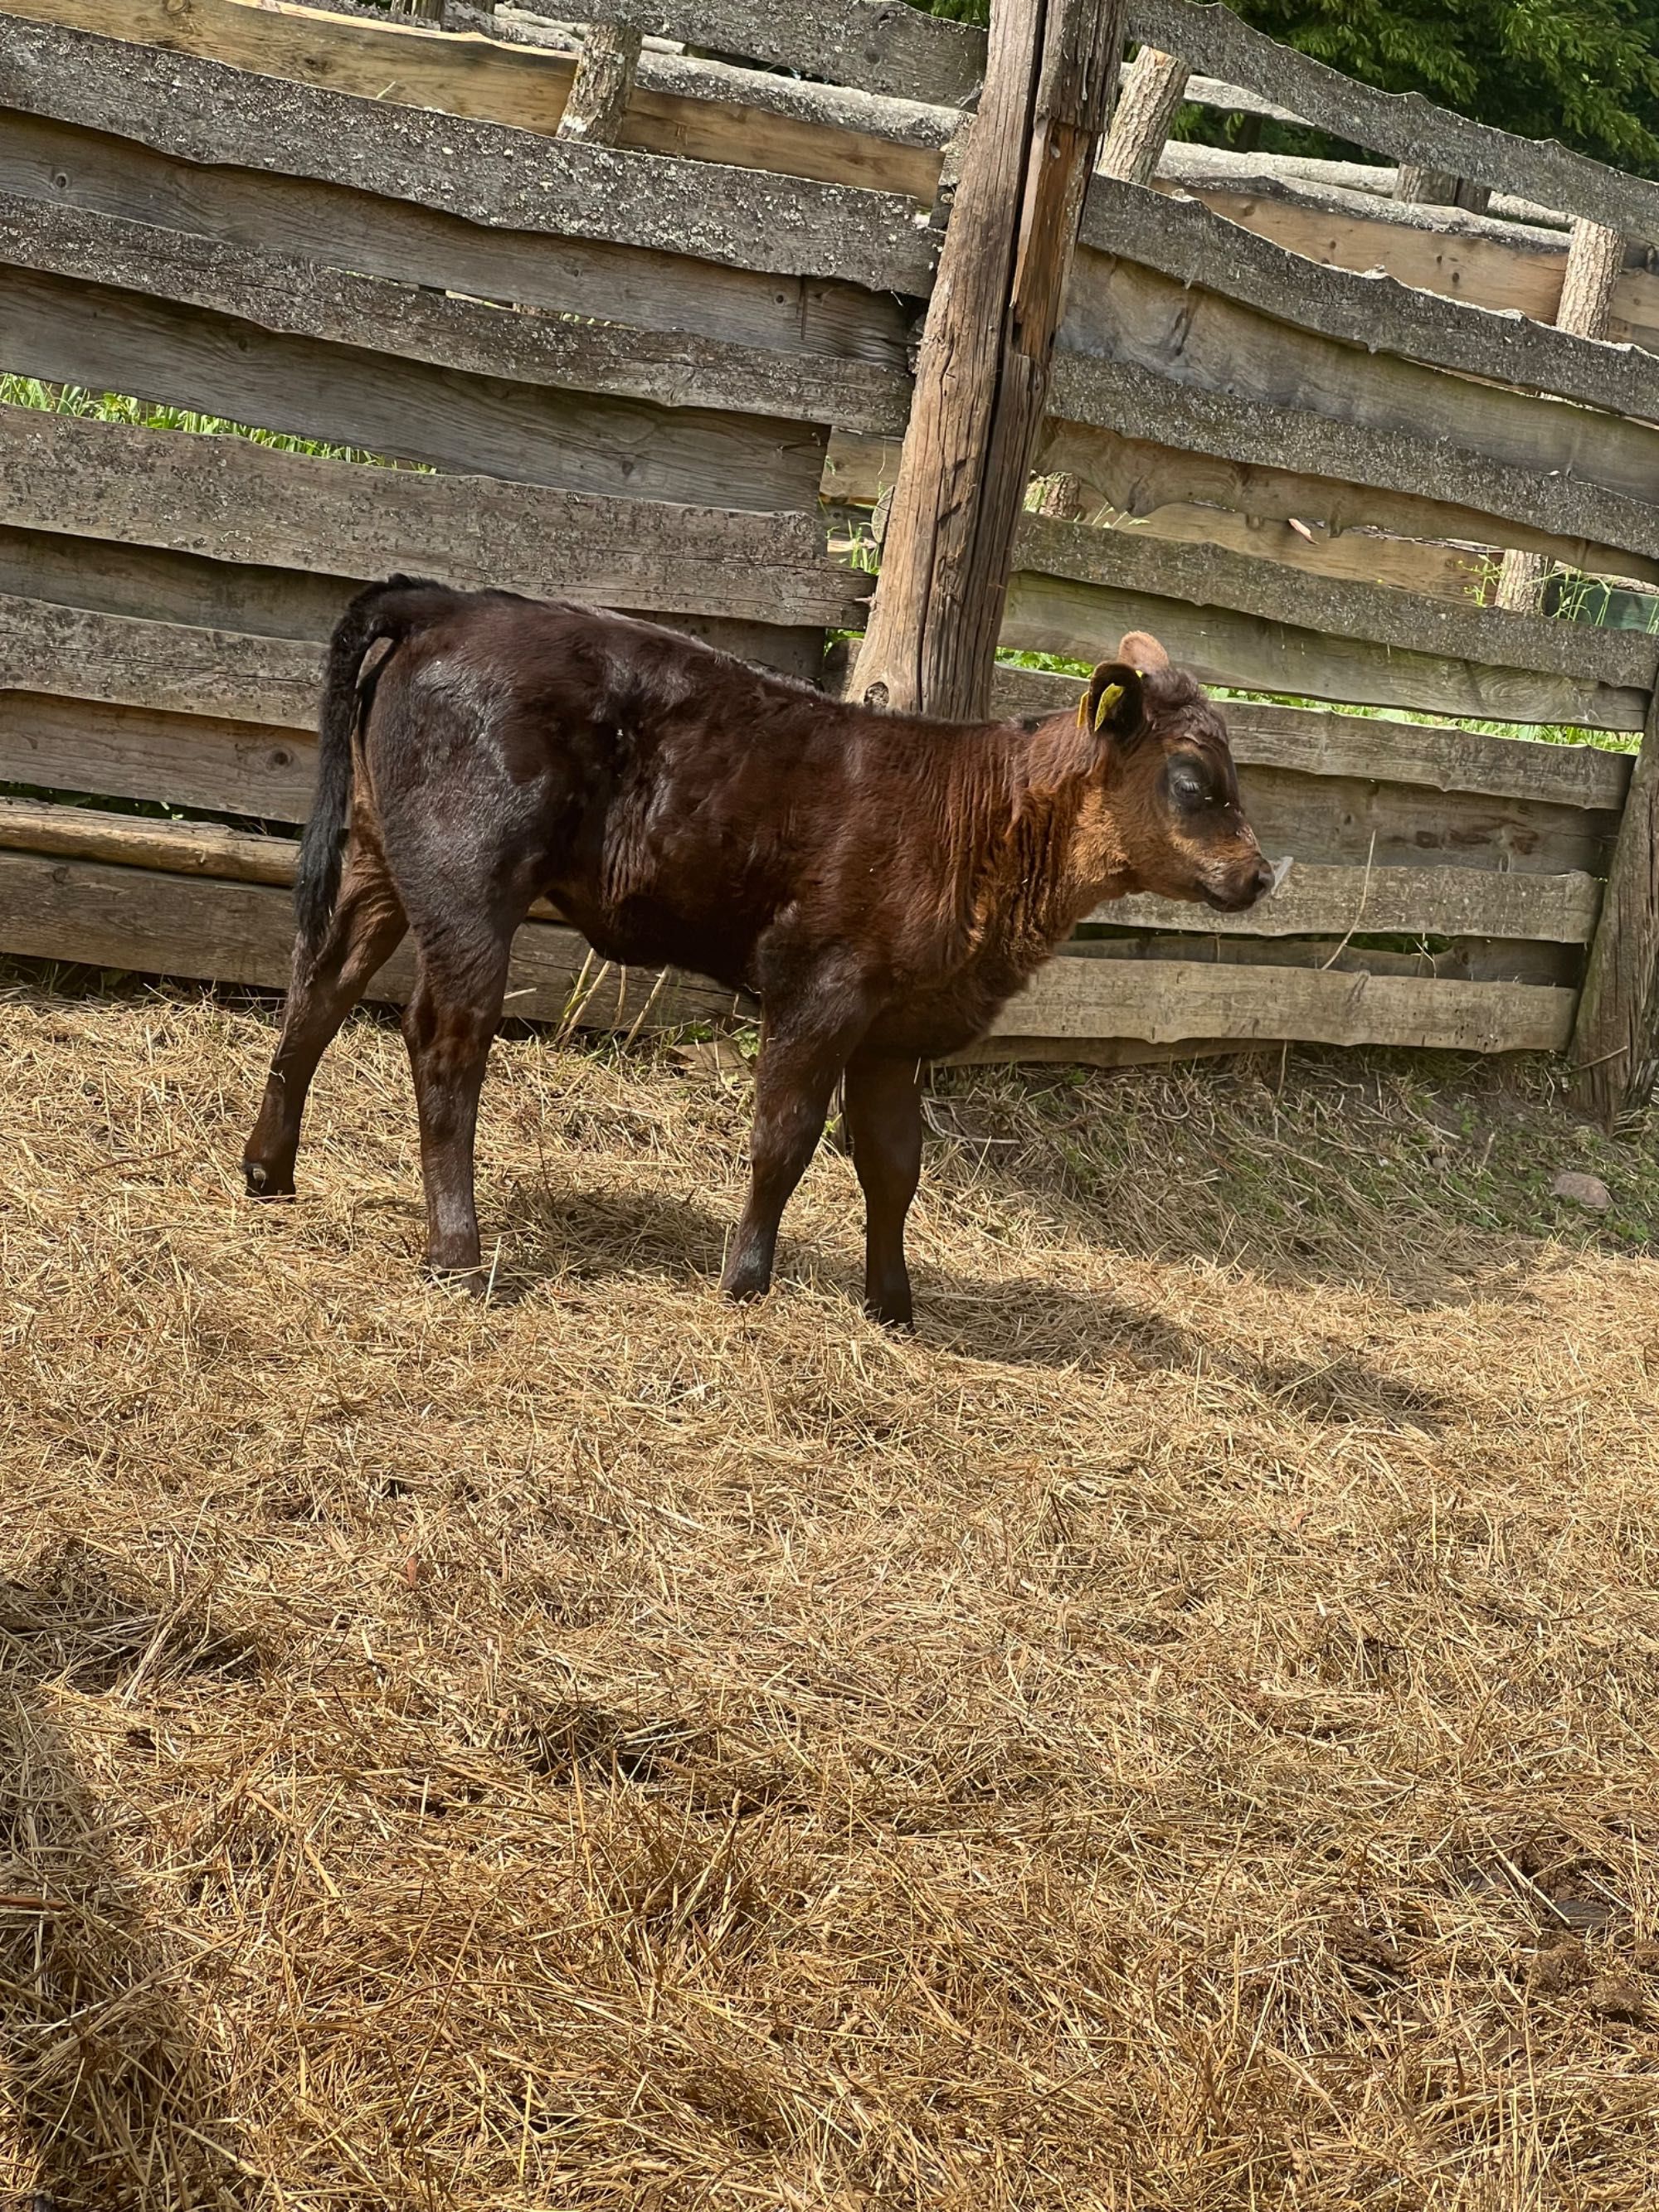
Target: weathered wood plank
<point>1186,240</point>
<point>1167,490</point>
<point>1404,125</point>
<point>47,160</point>
<point>300,298</point>
<point>230,500</point>
<point>1384,901</point>
<point>1315,742</point>
<point>63,331</point>
<point>1461,960</point>
<point>1216,576</point>
<point>1507,267</point>
<point>154,584</point>
<point>245,768</point>
<point>229,932</point>
<point>204,112</point>
<point>1251,653</point>
<point>982,367</point>
<point>679,108</point>
<point>1163,1001</point>
<point>1292,442</point>
<point>1615,1043</point>
<point>226,674</point>
<point>1136,318</point>
<point>184,848</point>
<point>866,43</point>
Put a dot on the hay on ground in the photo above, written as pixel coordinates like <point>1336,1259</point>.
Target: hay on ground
<point>1176,1733</point>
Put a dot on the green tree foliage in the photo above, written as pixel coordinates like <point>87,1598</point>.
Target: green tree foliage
<point>1585,71</point>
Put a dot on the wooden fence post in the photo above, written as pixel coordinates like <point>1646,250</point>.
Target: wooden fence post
<point>1615,1041</point>
<point>982,372</point>
<point>604,77</point>
<point>1594,258</point>
<point>1147,104</point>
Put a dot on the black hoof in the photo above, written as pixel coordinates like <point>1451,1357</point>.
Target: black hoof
<point>464,1282</point>
<point>263,1184</point>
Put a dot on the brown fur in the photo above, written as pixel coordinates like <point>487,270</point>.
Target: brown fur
<point>882,883</point>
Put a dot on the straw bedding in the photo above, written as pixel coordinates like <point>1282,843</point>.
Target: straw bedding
<point>1176,1733</point>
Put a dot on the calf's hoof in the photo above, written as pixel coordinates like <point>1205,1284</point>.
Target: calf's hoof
<point>743,1284</point>
<point>462,1282</point>
<point>264,1182</point>
<point>892,1314</point>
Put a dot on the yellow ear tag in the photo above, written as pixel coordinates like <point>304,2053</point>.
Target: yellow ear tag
<point>1109,699</point>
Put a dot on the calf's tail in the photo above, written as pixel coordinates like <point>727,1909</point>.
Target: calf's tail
<point>393,610</point>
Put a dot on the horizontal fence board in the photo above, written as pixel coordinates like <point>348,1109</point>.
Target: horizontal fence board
<point>47,160</point>
<point>230,675</point>
<point>247,768</point>
<point>61,331</point>
<point>514,79</point>
<point>1141,479</point>
<point>1368,476</point>
<point>1328,820</point>
<point>1136,317</point>
<point>1215,576</point>
<point>156,586</point>
<point>1462,960</point>
<point>1164,1001</point>
<point>231,500</point>
<point>1412,129</point>
<point>204,112</point>
<point>299,298</point>
<point>172,668</point>
<point>1253,652</point>
<point>1504,267</point>
<point>867,43</point>
<point>1186,240</point>
<point>184,848</point>
<point>1384,901</point>
<point>230,933</point>
<point>1314,741</point>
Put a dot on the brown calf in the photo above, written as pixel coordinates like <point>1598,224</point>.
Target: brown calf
<point>881,884</point>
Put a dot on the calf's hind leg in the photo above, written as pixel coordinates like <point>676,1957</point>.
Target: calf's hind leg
<point>884,1119</point>
<point>367,926</point>
<point>449,1025</point>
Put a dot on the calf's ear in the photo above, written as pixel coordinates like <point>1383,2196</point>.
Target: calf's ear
<point>1142,651</point>
<point>1114,705</point>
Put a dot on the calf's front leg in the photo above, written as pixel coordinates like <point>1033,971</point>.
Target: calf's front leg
<point>793,1085</point>
<point>884,1119</point>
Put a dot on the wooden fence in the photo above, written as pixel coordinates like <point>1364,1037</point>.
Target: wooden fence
<point>626,373</point>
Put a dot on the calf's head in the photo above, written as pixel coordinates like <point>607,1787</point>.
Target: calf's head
<point>1168,785</point>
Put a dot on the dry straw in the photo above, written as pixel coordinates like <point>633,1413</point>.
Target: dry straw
<point>1177,1733</point>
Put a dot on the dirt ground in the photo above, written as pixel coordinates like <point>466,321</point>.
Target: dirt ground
<point>1177,1732</point>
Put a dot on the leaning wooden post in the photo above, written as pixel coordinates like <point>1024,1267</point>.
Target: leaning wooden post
<point>1146,106</point>
<point>605,76</point>
<point>1615,1041</point>
<point>1594,258</point>
<point>983,371</point>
